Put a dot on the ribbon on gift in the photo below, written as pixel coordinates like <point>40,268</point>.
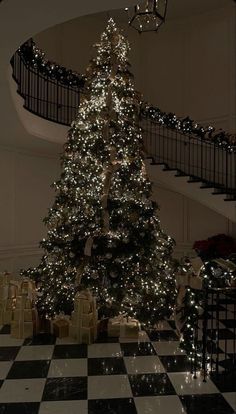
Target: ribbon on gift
<point>127,324</point>
<point>62,316</point>
<point>88,246</point>
<point>84,294</point>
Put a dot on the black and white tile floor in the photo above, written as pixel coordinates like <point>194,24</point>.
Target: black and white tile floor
<point>44,375</point>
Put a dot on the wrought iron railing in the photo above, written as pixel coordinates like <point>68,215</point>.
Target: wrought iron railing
<point>44,96</point>
<point>218,332</point>
<point>201,159</point>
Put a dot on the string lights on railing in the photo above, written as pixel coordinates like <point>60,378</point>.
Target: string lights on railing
<point>35,57</point>
<point>147,16</point>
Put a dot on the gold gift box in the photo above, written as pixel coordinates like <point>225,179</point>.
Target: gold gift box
<point>61,328</point>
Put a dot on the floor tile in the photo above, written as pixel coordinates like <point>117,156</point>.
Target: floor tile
<point>68,367</point>
<point>23,390</point>
<point>41,339</point>
<point>104,339</point>
<point>212,308</point>
<point>8,353</point>
<point>137,349</point>
<point>37,352</point>
<point>69,388</point>
<point>28,369</point>
<point>168,348</point>
<point>176,363</point>
<point>106,366</point>
<point>142,337</point>
<point>4,369</point>
<point>185,384</point>
<point>19,408</point>
<point>228,346</point>
<point>70,351</point>
<point>222,315</point>
<point>151,384</point>
<point>229,323</point>
<point>230,397</point>
<point>222,334</point>
<point>211,324</point>
<point>66,340</point>
<point>104,350</point>
<point>165,404</point>
<point>165,335</point>
<point>112,406</point>
<point>143,365</point>
<point>207,403</point>
<point>225,381</point>
<point>7,340</point>
<point>6,329</point>
<point>109,386</point>
<point>62,407</point>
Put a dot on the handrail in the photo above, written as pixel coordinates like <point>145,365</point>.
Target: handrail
<point>182,145</point>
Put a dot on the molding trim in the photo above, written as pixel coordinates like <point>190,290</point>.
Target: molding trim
<point>20,251</point>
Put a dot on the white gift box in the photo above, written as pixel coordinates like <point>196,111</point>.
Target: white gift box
<point>130,328</point>
<point>3,292</point>
<point>22,329</point>
<point>113,327</point>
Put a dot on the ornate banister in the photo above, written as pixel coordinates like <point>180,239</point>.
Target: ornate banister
<point>53,93</point>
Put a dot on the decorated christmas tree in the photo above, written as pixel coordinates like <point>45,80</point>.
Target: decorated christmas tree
<point>103,228</point>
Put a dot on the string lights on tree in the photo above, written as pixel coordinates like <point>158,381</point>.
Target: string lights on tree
<point>103,228</point>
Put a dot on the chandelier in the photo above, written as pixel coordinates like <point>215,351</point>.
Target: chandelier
<point>147,16</point>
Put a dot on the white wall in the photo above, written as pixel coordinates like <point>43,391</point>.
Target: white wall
<point>187,221</point>
<point>192,67</point>
<point>25,179</point>
<point>188,67</point>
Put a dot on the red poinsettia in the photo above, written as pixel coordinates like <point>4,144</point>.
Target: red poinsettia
<point>220,245</point>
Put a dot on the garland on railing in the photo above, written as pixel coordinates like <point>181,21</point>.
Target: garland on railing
<point>188,126</point>
<point>35,57</point>
<point>217,273</point>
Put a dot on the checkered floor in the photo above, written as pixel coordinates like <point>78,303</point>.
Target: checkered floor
<point>45,375</point>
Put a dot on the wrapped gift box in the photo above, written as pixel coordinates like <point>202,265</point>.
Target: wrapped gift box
<point>21,330</point>
<point>87,335</point>
<point>17,314</point>
<point>3,292</point>
<point>5,278</point>
<point>130,328</point>
<point>113,327</point>
<point>7,317</point>
<point>87,320</point>
<point>20,302</point>
<point>12,291</point>
<point>61,328</point>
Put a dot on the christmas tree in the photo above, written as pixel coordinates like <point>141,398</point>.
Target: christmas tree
<point>103,228</point>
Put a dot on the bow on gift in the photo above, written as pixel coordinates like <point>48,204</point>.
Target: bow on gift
<point>62,316</point>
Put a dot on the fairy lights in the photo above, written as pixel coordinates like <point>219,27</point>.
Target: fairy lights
<point>103,229</point>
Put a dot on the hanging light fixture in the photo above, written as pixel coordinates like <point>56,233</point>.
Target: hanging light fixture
<point>147,16</point>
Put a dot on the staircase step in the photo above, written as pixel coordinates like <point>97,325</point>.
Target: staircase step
<point>180,173</point>
<point>168,169</point>
<point>219,192</point>
<point>207,186</point>
<point>230,199</point>
<point>194,180</point>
